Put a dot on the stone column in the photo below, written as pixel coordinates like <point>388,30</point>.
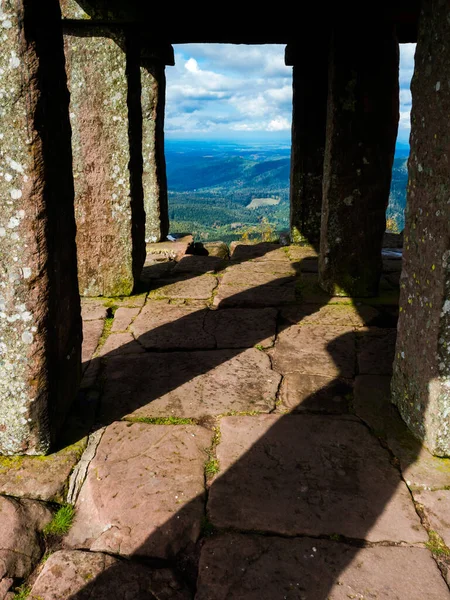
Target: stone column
<point>309,115</point>
<point>40,324</point>
<point>154,180</point>
<point>362,125</point>
<point>108,199</point>
<point>421,380</point>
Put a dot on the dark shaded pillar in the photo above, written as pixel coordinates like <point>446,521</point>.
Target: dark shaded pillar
<point>362,125</point>
<point>421,380</point>
<point>154,180</point>
<point>40,323</point>
<point>309,115</point>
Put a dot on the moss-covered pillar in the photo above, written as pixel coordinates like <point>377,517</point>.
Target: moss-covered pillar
<point>40,324</point>
<point>108,195</point>
<point>309,115</point>
<point>154,180</point>
<point>421,380</point>
<point>362,122</point>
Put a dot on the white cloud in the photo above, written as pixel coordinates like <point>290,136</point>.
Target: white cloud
<point>279,124</point>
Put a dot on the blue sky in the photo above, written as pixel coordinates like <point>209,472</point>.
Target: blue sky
<point>221,91</point>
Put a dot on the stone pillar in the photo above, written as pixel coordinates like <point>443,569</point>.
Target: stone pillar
<point>421,380</point>
<point>154,180</point>
<point>309,115</point>
<point>362,125</point>
<point>108,198</point>
<point>40,323</point>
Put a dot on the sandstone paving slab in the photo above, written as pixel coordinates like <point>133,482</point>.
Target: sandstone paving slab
<point>92,332</point>
<point>200,264</point>
<point>39,477</point>
<point>437,509</point>
<point>135,300</point>
<point>93,309</point>
<point>298,253</point>
<point>238,567</point>
<point>120,343</point>
<point>156,269</point>
<point>123,317</point>
<point>331,314</point>
<point>144,491</point>
<point>69,574</point>
<point>316,349</point>
<point>172,250</point>
<point>258,252</point>
<point>20,545</point>
<point>309,475</point>
<point>301,392</point>
<point>188,384</point>
<point>164,326</point>
<point>246,277</point>
<point>199,287</point>
<point>309,292</point>
<point>241,327</point>
<point>234,296</point>
<point>242,272</point>
<point>372,403</point>
<point>376,351</point>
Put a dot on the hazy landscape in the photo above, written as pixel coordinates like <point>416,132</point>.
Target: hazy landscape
<point>223,190</point>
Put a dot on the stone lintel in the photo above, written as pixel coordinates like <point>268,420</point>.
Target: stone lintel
<point>362,122</point>
<point>421,378</point>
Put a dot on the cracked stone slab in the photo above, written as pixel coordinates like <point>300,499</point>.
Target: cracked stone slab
<point>123,317</point>
<point>253,567</point>
<point>257,252</point>
<point>437,509</point>
<point>372,403</point>
<point>199,287</point>
<point>69,574</point>
<point>200,264</point>
<point>235,296</point>
<point>164,327</point>
<point>188,384</point>
<point>316,349</point>
<point>301,392</point>
<point>39,477</point>
<point>156,269</point>
<point>93,309</point>
<point>309,475</point>
<point>20,546</point>
<point>244,275</point>
<point>120,343</point>
<point>342,315</point>
<point>241,327</point>
<point>144,491</point>
<point>92,332</point>
<point>376,351</point>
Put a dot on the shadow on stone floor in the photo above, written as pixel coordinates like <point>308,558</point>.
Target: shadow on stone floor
<point>307,505</point>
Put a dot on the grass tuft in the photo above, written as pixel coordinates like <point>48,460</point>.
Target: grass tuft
<point>22,592</point>
<point>61,522</point>
<point>162,420</point>
<point>436,544</point>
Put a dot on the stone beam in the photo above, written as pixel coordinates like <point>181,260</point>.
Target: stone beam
<point>362,125</point>
<point>421,380</point>
<point>108,174</point>
<point>309,115</point>
<point>40,323</point>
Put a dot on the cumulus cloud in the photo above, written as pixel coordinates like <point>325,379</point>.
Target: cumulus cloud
<point>279,124</point>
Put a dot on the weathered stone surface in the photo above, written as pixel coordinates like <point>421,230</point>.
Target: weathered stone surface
<point>302,392</point>
<point>376,349</point>
<point>156,269</point>
<point>154,181</point>
<point>74,574</point>
<point>300,253</point>
<point>199,287</point>
<point>109,210</point>
<point>372,403</point>
<point>93,309</point>
<point>309,475</point>
<point>40,325</point>
<point>242,328</point>
<point>188,384</point>
<point>280,293</point>
<point>246,276</point>
<point>92,332</point>
<point>20,547</point>
<point>5,585</point>
<point>240,251</point>
<point>219,249</point>
<point>170,250</point>
<point>165,510</point>
<point>316,349</point>
<point>123,318</point>
<point>264,568</point>
<point>361,133</point>
<point>39,478</point>
<point>199,264</point>
<point>164,327</point>
<point>437,509</point>
<point>421,381</point>
<point>309,119</point>
<point>120,343</point>
<point>331,314</point>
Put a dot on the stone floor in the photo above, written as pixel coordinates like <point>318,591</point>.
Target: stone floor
<point>233,439</point>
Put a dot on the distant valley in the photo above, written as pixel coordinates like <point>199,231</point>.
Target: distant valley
<point>220,190</point>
